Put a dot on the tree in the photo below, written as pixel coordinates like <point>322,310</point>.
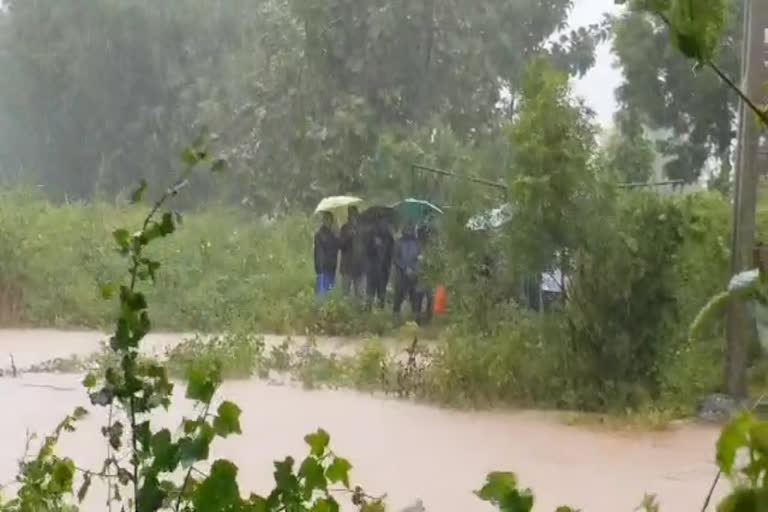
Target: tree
<point>553,180</point>
<point>696,31</point>
<point>669,93</point>
<point>98,94</point>
<point>628,153</point>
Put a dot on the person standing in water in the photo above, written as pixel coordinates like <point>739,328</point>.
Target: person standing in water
<point>352,244</point>
<point>326,248</point>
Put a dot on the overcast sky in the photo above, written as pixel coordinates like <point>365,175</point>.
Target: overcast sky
<point>599,84</point>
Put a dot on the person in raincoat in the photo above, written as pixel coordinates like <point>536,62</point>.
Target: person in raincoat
<point>326,248</point>
<point>407,259</point>
<point>425,295</point>
<point>379,251</point>
<point>352,244</point>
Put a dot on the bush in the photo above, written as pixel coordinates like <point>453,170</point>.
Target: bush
<point>228,269</point>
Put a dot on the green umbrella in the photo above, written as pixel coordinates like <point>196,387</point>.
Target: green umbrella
<point>416,210</point>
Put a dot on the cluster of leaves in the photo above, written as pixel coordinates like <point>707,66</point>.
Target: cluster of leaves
<point>47,479</point>
<point>742,454</point>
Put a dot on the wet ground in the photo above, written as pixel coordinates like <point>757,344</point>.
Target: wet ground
<point>405,450</point>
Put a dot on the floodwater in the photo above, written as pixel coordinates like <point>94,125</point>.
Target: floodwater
<point>405,450</point>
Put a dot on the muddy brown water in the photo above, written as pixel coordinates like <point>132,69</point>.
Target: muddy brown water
<point>405,450</point>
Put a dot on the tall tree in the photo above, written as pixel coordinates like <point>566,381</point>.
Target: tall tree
<point>101,93</point>
<point>553,180</point>
<point>628,153</point>
<point>671,94</point>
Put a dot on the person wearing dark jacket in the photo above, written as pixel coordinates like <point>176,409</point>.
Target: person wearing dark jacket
<point>352,245</point>
<point>424,292</point>
<point>379,251</point>
<point>407,257</point>
<point>326,255</point>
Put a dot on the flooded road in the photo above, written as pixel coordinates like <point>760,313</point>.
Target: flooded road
<point>405,450</point>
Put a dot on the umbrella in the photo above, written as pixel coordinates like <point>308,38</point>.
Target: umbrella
<point>415,210</point>
<point>491,219</point>
<point>332,203</point>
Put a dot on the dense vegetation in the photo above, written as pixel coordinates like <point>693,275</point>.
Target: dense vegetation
<point>94,97</point>
<point>639,264</point>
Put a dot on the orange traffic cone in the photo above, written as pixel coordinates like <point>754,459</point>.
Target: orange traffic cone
<point>440,294</point>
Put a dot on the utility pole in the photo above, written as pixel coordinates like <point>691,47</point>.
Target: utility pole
<point>754,75</point>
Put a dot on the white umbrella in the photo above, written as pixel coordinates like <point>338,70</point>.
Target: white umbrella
<point>491,219</point>
<point>332,203</point>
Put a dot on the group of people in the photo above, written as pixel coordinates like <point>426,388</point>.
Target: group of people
<point>366,253</point>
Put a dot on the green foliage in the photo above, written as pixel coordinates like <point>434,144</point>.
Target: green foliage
<point>46,481</point>
<point>621,309</point>
<point>628,153</point>
<point>692,109</point>
<point>287,85</point>
<point>134,388</point>
<point>553,181</point>
<point>238,355</point>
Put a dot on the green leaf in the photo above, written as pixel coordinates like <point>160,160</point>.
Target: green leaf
<point>80,413</point>
<point>326,505</point>
<point>63,474</point>
<point>138,194</point>
<point>285,480</point>
<point>745,500</point>
<point>219,491</point>
<point>203,379</point>
<point>758,434</point>
<point>255,504</point>
<point>151,496</point>
<point>143,435</point>
<point>195,449</point>
<point>167,225</point>
<point>164,451</point>
<point>134,301</point>
<point>107,291</point>
<point>374,506</point>
<point>497,484</point>
<point>733,436</point>
<point>123,239</point>
<point>190,426</point>
<point>338,471</point>
<point>714,308</point>
<point>313,477</point>
<point>318,442</point>
<point>228,419</point>
<point>90,381</point>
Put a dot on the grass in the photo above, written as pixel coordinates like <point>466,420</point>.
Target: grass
<point>225,272</point>
<point>222,270</point>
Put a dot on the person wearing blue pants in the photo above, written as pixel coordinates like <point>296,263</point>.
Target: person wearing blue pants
<point>326,256</point>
